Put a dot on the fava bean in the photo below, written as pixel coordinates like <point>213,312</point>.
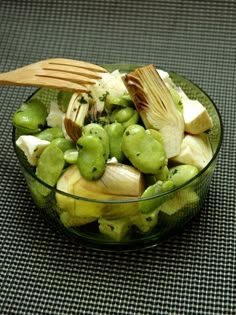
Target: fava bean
<point>30,118</point>
<point>50,134</point>
<point>163,174</point>
<point>71,156</point>
<point>115,132</point>
<point>180,174</point>
<point>49,168</point>
<point>157,188</point>
<point>156,134</point>
<point>63,144</point>
<point>122,101</point>
<point>91,157</point>
<point>143,150</point>
<point>126,116</point>
<point>100,132</point>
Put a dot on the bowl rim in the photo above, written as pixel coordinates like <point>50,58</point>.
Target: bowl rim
<point>133,200</point>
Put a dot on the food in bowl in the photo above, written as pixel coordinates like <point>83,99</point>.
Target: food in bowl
<point>124,165</point>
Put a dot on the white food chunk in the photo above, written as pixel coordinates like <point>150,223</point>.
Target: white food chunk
<point>196,117</point>
<point>194,150</point>
<point>113,83</point>
<point>55,117</point>
<point>32,147</point>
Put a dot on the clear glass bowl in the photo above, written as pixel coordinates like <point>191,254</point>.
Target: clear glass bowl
<point>190,196</point>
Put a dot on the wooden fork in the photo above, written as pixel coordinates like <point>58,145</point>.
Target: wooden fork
<point>58,73</point>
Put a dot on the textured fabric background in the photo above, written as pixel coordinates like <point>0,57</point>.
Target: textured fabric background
<point>194,273</point>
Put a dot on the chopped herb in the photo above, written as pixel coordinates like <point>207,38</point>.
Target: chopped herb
<point>83,100</point>
<point>94,169</point>
<point>103,97</point>
<point>79,146</point>
<point>111,227</point>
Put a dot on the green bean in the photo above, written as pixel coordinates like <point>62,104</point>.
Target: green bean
<point>30,118</point>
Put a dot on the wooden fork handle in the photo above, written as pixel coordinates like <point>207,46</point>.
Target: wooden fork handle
<point>10,78</point>
<point>23,77</point>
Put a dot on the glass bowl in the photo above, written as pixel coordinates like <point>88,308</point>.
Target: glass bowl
<point>186,200</point>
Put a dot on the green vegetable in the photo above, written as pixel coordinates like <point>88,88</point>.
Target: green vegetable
<point>30,118</point>
<point>149,205</point>
<point>143,150</point>
<point>98,131</point>
<point>71,156</point>
<point>156,134</point>
<point>182,173</point>
<point>126,116</point>
<point>145,222</point>
<point>49,168</point>
<point>115,229</point>
<point>122,101</point>
<point>163,174</point>
<point>156,106</point>
<point>92,157</point>
<point>63,144</point>
<point>50,134</point>
<point>63,99</point>
<point>115,133</point>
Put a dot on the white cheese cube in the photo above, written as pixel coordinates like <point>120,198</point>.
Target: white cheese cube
<point>194,150</point>
<point>196,117</point>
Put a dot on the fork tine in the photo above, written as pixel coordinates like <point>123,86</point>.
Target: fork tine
<point>76,63</point>
<point>65,76</point>
<point>55,84</point>
<point>71,69</point>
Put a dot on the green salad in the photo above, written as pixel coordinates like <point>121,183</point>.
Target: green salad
<point>133,135</point>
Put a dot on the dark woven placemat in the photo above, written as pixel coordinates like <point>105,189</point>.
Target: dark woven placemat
<point>193,273</point>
